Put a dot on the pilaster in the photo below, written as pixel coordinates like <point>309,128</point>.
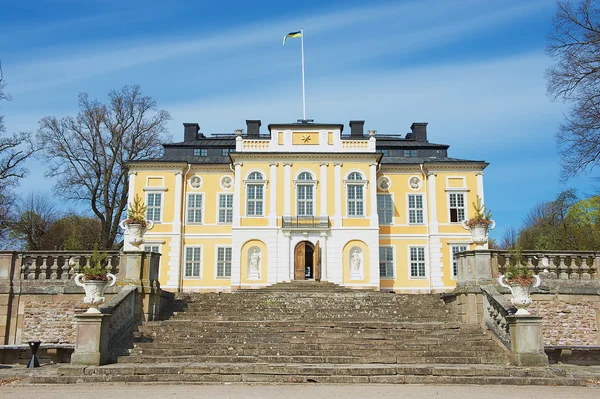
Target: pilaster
<point>237,192</point>
<point>287,188</point>
<point>273,194</point>
<point>373,193</point>
<point>337,216</point>
<point>323,187</point>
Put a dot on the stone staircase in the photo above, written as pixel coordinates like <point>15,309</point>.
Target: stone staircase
<point>313,332</point>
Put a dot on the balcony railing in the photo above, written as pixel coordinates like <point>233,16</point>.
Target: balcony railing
<point>305,222</point>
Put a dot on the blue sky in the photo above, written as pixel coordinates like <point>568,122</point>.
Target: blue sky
<point>473,69</point>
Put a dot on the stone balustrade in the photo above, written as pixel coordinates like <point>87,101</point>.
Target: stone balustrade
<point>55,265</point>
<point>572,265</point>
<point>256,145</point>
<point>496,309</point>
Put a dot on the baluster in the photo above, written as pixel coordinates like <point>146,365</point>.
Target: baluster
<point>502,267</point>
<point>65,268</point>
<point>32,269</point>
<point>552,267</point>
<point>43,268</point>
<point>24,265</point>
<point>585,269</point>
<point>529,263</point>
<point>109,265</point>
<point>54,268</point>
<point>562,268</point>
<point>574,275</point>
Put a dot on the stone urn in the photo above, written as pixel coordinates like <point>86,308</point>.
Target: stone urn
<point>479,232</point>
<point>94,290</point>
<point>520,292</point>
<point>136,231</point>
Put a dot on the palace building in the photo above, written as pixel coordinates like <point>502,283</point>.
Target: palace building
<point>307,201</point>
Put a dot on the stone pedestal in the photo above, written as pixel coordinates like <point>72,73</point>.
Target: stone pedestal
<point>91,348</point>
<point>527,347</point>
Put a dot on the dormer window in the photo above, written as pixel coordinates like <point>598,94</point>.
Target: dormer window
<point>200,152</point>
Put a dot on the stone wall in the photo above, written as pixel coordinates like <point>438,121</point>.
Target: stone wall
<point>568,319</point>
<point>50,319</point>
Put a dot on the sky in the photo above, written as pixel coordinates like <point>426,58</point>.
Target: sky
<point>473,69</point>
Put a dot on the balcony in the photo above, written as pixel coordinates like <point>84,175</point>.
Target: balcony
<point>305,222</point>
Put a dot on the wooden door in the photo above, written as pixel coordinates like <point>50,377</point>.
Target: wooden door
<point>299,261</point>
<point>316,263</point>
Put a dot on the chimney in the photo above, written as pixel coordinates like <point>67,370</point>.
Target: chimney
<point>356,128</point>
<point>190,131</point>
<point>253,127</point>
<point>419,131</point>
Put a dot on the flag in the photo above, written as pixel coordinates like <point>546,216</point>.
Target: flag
<point>291,35</point>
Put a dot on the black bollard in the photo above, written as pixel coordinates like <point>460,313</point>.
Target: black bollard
<point>33,362</point>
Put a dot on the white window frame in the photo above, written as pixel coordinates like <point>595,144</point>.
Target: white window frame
<point>203,152</point>
<point>392,248</point>
<point>455,248</point>
<point>380,213</point>
<point>458,208</point>
<point>194,248</point>
<point>305,183</point>
<point>250,181</point>
<point>188,209</point>
<point>149,248</point>
<point>418,262</point>
<point>225,209</point>
<point>160,207</point>
<point>361,185</point>
<point>416,210</point>
<point>224,248</point>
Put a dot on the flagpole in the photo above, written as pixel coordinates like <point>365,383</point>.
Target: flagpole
<point>303,89</point>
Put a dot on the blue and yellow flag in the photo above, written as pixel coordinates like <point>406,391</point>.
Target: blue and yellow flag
<point>291,35</point>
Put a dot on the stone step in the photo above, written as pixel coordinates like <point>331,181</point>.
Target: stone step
<point>480,374</point>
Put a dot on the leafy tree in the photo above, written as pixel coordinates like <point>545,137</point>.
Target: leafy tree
<point>574,44</point>
<point>88,152</point>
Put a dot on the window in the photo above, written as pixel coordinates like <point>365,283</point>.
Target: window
<point>152,248</point>
<point>255,194</point>
<point>355,194</point>
<point>454,250</point>
<point>410,153</point>
<point>225,151</point>
<point>417,262</point>
<point>385,152</point>
<point>194,208</point>
<point>385,208</point>
<point>386,262</point>
<point>153,209</point>
<point>225,208</point>
<point>415,209</point>
<point>223,262</point>
<point>457,207</point>
<point>305,194</point>
<point>193,261</point>
<point>200,152</point>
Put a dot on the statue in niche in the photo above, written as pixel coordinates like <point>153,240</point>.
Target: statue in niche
<point>355,260</point>
<point>254,261</point>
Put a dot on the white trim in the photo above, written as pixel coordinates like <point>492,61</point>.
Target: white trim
<point>456,190</point>
<point>424,222</point>
<point>464,207</point>
<point>203,209</point>
<point>162,206</point>
<point>153,242</point>
<point>323,188</point>
<point>152,188</point>
<point>218,198</point>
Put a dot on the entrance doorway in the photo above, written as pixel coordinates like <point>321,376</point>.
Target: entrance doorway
<point>306,261</point>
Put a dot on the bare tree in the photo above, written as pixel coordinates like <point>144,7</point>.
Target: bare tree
<point>14,150</point>
<point>574,43</point>
<point>88,152</point>
<point>36,214</point>
<point>509,238</point>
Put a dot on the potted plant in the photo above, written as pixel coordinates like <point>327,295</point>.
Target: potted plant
<point>519,280</point>
<point>479,224</point>
<point>136,223</point>
<point>94,278</point>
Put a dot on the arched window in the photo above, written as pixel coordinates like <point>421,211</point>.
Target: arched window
<point>255,190</point>
<point>305,193</point>
<point>355,189</point>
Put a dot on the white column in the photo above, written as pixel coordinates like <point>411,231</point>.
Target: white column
<point>323,246</point>
<point>273,194</point>
<point>237,192</point>
<point>176,240</point>
<point>287,188</point>
<point>337,216</point>
<point>130,198</point>
<point>432,203</point>
<point>479,177</point>
<point>290,254</point>
<point>434,242</point>
<point>323,188</point>
<point>373,192</point>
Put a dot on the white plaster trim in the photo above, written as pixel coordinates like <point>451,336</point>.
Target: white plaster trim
<point>155,188</point>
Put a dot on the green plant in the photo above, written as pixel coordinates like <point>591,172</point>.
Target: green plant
<point>482,216</point>
<point>136,213</point>
<point>516,272</point>
<point>96,270</point>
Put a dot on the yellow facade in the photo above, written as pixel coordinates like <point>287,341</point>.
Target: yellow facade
<point>240,222</point>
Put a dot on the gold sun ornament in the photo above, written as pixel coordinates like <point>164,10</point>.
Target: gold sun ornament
<point>306,138</point>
